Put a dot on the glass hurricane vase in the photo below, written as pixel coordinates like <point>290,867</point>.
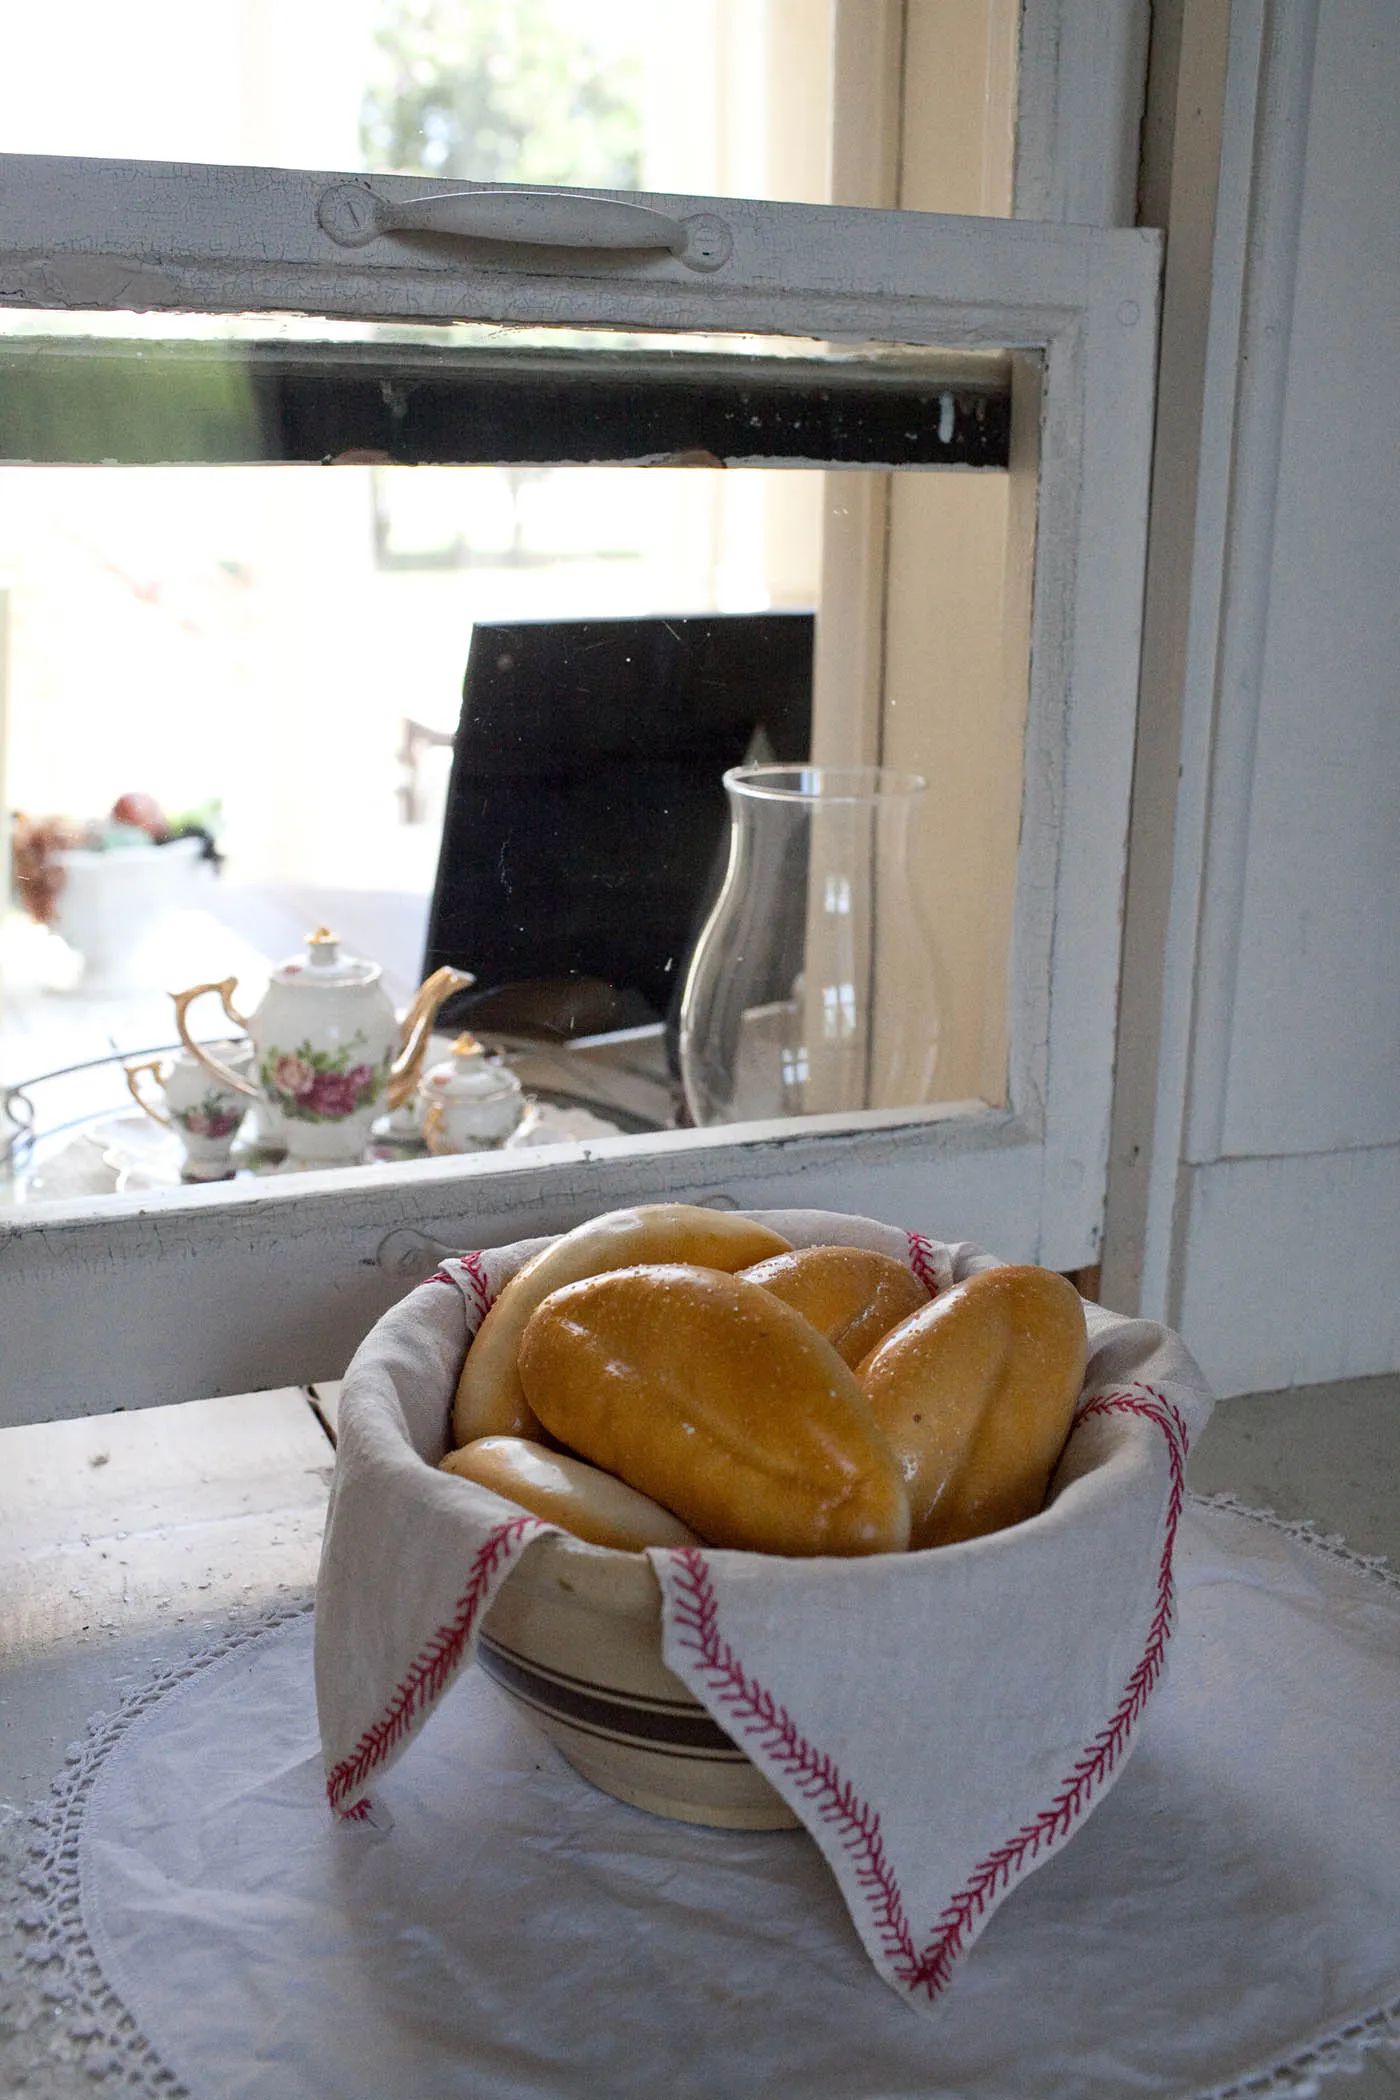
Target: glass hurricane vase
<point>810,990</point>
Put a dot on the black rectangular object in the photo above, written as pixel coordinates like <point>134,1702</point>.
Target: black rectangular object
<point>587,824</point>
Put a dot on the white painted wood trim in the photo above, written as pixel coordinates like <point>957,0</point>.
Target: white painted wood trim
<point>1223,267</point>
<point>1276,196</point>
<point>1017,606</point>
<point>172,1297</point>
<point>1288,1268</point>
<point>1088,902</point>
<point>1085,301</point>
<point>168,237</point>
<point>1190,484</point>
<point>1277,1270</point>
<point>1147,1252</point>
<point>1080,100</point>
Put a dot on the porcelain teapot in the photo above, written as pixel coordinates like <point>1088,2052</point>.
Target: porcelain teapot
<point>329,1053</point>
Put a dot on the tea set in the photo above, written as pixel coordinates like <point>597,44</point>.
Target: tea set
<point>326,1063</point>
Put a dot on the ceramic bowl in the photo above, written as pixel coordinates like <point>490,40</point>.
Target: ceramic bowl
<point>112,902</point>
<point>574,1638</point>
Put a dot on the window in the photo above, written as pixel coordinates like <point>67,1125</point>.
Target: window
<point>1069,313</point>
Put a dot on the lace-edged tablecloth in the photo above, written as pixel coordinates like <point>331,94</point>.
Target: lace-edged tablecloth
<point>1227,1922</point>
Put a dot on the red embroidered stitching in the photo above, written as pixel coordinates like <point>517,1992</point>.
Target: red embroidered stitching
<point>758,1714</point>
<point>431,1669</point>
<point>1092,1769</point>
<point>440,1277</point>
<point>477,1285</point>
<point>755,1712</point>
<point>921,1261</point>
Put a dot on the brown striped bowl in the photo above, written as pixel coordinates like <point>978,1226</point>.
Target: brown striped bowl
<point>574,1638</point>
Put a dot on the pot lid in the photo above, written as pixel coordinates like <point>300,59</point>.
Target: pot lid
<point>468,1075</point>
<point>323,967</point>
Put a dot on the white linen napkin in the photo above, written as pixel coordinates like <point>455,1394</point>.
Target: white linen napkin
<point>940,1722</point>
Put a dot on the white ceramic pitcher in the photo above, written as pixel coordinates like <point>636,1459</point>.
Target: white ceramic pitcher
<point>203,1112</point>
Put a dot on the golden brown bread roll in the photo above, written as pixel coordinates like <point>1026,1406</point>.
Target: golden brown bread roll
<point>591,1504</point>
<point>851,1295</point>
<point>710,1395</point>
<point>490,1400</point>
<point>976,1393</point>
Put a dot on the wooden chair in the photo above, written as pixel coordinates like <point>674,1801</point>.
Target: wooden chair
<point>586,818</point>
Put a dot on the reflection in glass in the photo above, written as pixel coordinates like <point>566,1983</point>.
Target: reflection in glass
<point>276,655</point>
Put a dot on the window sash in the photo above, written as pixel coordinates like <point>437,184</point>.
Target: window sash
<point>1077,306</point>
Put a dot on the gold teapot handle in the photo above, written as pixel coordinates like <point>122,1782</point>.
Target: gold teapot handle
<point>418,1026</point>
<point>183,1002</point>
<point>133,1072</point>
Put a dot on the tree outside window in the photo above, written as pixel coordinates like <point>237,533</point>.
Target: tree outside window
<point>500,91</point>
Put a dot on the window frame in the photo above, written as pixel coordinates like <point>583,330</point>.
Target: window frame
<point>1077,308</point>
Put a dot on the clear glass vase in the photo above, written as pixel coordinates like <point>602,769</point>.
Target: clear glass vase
<point>798,996</point>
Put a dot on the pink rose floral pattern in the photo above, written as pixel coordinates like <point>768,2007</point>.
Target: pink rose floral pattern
<point>213,1117</point>
<point>323,1086</point>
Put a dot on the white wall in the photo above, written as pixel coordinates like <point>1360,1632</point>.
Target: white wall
<point>1271,1232</point>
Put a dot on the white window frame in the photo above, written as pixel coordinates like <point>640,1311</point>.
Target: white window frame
<point>202,1291</point>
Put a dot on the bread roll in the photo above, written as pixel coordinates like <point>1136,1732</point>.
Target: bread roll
<point>591,1504</point>
<point>490,1400</point>
<point>851,1295</point>
<point>709,1394</point>
<point>976,1393</point>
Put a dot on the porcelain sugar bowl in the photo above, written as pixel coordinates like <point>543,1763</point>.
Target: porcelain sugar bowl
<point>470,1102</point>
<point>329,1052</point>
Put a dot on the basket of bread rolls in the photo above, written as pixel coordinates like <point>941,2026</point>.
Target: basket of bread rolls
<point>671,1376</point>
<point>739,1509</point>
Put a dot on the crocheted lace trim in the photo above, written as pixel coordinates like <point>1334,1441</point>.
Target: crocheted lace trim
<point>58,2012</point>
<point>62,2014</point>
<point>1345,2048</point>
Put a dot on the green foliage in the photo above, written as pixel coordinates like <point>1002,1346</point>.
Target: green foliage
<point>499,91</point>
<point>207,818</point>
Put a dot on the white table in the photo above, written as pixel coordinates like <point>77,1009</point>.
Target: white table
<point>125,1537</point>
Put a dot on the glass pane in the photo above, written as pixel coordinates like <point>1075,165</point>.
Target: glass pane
<point>479,715</point>
<point>119,389</point>
<point>721,97</point>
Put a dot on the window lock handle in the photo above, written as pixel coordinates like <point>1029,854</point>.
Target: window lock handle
<point>353,215</point>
